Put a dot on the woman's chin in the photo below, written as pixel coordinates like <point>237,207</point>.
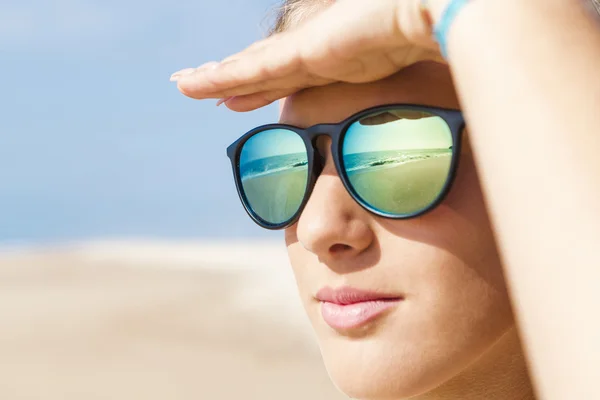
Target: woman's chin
<point>377,386</point>
<point>368,370</point>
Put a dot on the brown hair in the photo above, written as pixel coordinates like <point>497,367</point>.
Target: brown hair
<point>294,11</point>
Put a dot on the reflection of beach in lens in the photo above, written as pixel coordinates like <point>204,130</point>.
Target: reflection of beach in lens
<point>275,186</point>
<point>399,182</point>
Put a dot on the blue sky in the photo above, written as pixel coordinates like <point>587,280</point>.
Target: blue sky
<point>95,142</point>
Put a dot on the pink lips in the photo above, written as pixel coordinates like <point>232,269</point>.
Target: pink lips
<point>347,308</point>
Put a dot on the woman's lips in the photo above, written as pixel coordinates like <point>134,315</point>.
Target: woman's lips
<point>352,316</point>
<point>349,308</point>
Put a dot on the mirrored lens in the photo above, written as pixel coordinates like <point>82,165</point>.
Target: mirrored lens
<point>398,161</point>
<point>273,167</point>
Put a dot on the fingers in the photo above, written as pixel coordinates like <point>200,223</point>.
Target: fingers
<point>256,100</point>
<point>339,44</point>
<point>261,44</point>
<point>188,71</point>
<point>284,86</point>
<point>291,83</point>
<point>213,64</point>
<point>272,64</point>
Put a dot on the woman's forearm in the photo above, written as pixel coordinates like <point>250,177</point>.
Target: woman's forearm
<point>528,76</point>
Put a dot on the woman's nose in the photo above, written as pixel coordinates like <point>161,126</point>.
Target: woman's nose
<point>332,225</point>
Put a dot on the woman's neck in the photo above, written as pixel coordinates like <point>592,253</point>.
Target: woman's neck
<point>500,374</point>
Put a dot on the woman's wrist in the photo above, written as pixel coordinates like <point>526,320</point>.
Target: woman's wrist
<point>442,16</point>
<point>435,9</point>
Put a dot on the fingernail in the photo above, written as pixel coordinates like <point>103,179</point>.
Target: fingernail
<point>181,73</point>
<point>224,100</point>
<point>210,64</point>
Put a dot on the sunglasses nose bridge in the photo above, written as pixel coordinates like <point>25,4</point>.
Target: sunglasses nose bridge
<point>316,131</point>
<point>320,130</point>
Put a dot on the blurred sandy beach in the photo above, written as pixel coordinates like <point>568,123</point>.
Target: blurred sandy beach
<point>155,320</point>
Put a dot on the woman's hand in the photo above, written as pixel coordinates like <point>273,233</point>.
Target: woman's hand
<point>351,41</point>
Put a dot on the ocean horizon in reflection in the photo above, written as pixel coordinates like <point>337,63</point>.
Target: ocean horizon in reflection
<point>356,162</point>
<point>271,165</point>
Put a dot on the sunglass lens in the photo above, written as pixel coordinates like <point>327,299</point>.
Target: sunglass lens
<point>273,168</point>
<point>398,161</point>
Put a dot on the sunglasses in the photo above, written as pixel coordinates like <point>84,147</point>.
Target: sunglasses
<point>397,161</point>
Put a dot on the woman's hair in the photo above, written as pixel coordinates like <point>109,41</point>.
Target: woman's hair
<point>293,11</point>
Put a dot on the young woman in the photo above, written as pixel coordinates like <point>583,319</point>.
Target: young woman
<point>407,221</point>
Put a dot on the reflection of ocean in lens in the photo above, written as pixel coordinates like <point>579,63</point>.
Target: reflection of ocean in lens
<point>399,181</point>
<point>275,186</point>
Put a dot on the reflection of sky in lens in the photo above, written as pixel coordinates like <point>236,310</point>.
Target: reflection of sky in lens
<point>274,142</point>
<point>424,133</point>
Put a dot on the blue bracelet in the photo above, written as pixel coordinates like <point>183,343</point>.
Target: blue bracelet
<point>443,26</point>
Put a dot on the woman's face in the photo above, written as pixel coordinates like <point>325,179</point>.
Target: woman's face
<point>444,265</point>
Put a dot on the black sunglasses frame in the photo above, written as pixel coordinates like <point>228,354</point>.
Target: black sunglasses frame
<point>337,131</point>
